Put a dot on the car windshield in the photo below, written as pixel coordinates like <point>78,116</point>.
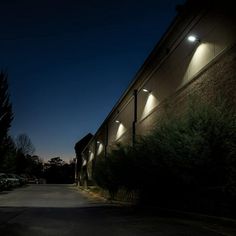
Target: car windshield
<point>10,176</point>
<point>3,175</point>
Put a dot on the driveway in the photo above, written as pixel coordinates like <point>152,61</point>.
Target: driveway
<point>38,195</point>
<point>40,210</point>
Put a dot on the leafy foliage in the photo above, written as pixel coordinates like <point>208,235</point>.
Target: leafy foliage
<point>15,161</point>
<point>58,172</point>
<point>110,173</point>
<point>24,144</point>
<point>6,114</point>
<point>15,156</point>
<point>191,153</point>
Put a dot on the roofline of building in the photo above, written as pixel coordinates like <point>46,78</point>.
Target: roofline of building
<point>158,47</point>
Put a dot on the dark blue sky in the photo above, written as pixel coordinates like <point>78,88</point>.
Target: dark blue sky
<point>70,61</point>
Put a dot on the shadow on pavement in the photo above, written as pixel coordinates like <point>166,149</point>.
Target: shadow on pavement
<point>96,220</point>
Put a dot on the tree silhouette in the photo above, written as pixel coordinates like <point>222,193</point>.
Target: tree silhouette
<point>57,171</point>
<point>24,144</point>
<point>6,114</point>
<point>8,155</point>
<point>56,162</point>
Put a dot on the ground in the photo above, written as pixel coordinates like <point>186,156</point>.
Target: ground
<point>65,210</point>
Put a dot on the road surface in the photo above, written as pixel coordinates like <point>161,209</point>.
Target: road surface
<point>60,210</point>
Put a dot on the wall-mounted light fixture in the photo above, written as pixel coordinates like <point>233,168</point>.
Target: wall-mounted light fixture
<point>193,38</point>
<point>98,142</point>
<point>146,90</point>
<point>117,121</point>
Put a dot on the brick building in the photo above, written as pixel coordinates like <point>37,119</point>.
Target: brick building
<point>196,55</point>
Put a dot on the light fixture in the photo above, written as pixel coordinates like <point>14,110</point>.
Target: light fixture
<point>146,90</point>
<point>192,38</point>
<point>98,142</point>
<point>117,121</point>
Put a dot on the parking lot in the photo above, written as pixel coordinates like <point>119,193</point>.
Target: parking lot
<point>64,210</point>
<point>42,195</point>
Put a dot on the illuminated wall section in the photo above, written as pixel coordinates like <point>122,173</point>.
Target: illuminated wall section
<point>120,131</point>
<point>216,34</point>
<point>172,76</point>
<point>120,125</point>
<point>100,148</point>
<point>94,151</point>
<point>101,140</point>
<point>150,104</point>
<point>90,152</point>
<point>91,156</point>
<point>184,64</point>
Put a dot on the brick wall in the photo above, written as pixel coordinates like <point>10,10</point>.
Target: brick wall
<point>217,81</point>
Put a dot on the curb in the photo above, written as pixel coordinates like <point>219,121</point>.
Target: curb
<point>91,193</point>
<point>220,225</point>
<point>224,221</point>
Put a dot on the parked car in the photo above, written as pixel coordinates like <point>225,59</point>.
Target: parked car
<point>33,180</point>
<point>22,179</point>
<point>4,182</point>
<point>14,181</point>
<point>42,181</point>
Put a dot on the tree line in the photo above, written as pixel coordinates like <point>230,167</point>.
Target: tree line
<point>18,155</point>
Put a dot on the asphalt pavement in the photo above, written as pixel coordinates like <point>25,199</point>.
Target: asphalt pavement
<point>48,210</point>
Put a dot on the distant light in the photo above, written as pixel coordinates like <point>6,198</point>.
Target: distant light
<point>117,121</point>
<point>193,38</point>
<point>146,90</point>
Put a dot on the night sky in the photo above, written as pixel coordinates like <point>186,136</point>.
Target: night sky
<point>70,61</point>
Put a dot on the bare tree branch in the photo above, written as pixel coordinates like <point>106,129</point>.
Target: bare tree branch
<point>24,144</point>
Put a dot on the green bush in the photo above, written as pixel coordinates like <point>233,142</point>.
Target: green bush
<point>194,151</point>
<point>111,172</point>
<point>188,154</point>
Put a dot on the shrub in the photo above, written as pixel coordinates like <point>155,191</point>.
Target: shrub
<point>111,172</point>
<point>183,155</point>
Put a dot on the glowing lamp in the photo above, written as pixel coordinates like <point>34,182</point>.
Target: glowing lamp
<point>192,38</point>
<point>146,90</point>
